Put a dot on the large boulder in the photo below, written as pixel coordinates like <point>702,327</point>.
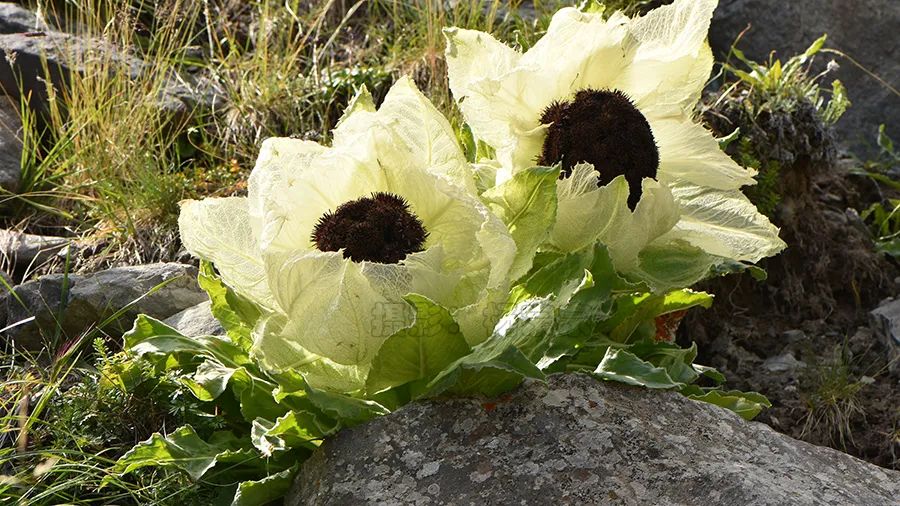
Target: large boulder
<point>92,298</point>
<point>866,30</point>
<point>576,440</point>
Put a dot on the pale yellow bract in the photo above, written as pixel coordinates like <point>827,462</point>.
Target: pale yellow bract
<point>662,62</point>
<point>327,316</point>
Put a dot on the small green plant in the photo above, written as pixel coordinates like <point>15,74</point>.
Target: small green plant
<point>774,86</point>
<point>883,217</point>
<point>782,115</point>
<point>62,430</point>
<point>881,168</point>
<point>884,221</point>
<point>832,399</point>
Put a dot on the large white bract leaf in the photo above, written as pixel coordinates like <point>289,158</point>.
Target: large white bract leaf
<point>588,214</point>
<point>724,223</point>
<point>419,135</point>
<point>218,230</point>
<point>333,309</point>
<point>277,353</point>
<point>687,151</point>
<point>279,159</point>
<point>670,45</point>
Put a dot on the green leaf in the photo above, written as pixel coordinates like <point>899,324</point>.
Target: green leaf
<point>256,395</point>
<point>815,47</point>
<point>625,367</point>
<point>266,490</point>
<point>420,351</point>
<point>347,410</point>
<point>672,265</point>
<point>527,205</point>
<point>677,361</point>
<point>296,429</point>
<point>519,340</point>
<point>710,372</point>
<point>182,450</point>
<point>235,313</point>
<point>726,141</point>
<point>146,328</point>
<point>884,141</point>
<point>640,311</point>
<point>153,337</point>
<point>209,381</point>
<point>563,275</point>
<point>838,104</point>
<point>745,404</point>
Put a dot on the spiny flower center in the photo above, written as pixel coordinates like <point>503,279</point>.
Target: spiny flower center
<point>380,228</point>
<point>605,129</point>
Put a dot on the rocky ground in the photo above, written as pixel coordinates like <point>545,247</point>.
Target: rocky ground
<point>819,337</point>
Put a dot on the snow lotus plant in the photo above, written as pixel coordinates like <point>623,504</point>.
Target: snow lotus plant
<point>610,102</point>
<point>596,122</point>
<point>331,240</point>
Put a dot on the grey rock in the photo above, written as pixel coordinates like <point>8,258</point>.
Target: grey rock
<point>16,19</point>
<point>92,298</point>
<point>576,440</point>
<point>783,363</point>
<point>793,336</point>
<point>866,30</point>
<point>10,145</point>
<point>196,321</point>
<point>885,323</point>
<point>23,251</point>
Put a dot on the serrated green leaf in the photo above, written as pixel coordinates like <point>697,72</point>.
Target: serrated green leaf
<point>710,373</point>
<point>167,338</point>
<point>183,449</point>
<point>347,410</point>
<point>266,490</point>
<point>677,361</point>
<point>527,205</point>
<point>296,429</point>
<point>418,352</point>
<point>639,312</point>
<point>745,404</point>
<point>672,265</point>
<point>518,341</point>
<point>256,395</point>
<point>209,381</point>
<point>235,313</point>
<point>625,367</point>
